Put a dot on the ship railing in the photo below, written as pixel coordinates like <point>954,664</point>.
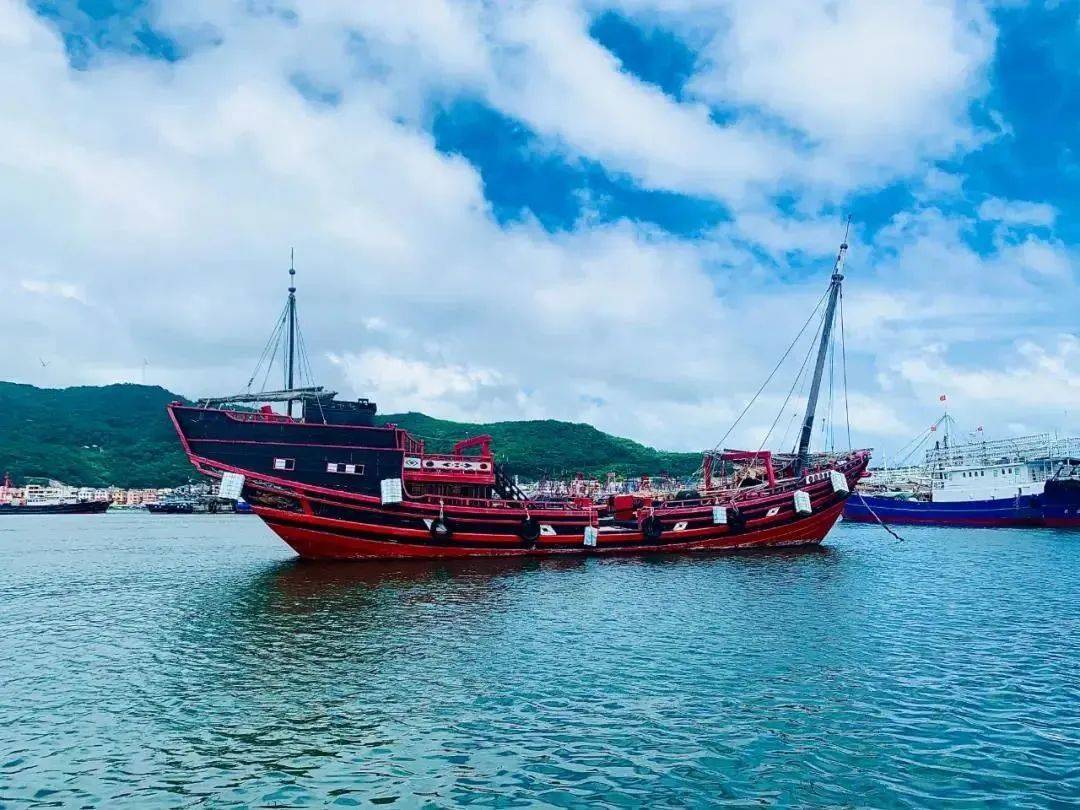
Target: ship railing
<point>258,416</point>
<point>1004,451</point>
<point>497,503</point>
<point>412,445</point>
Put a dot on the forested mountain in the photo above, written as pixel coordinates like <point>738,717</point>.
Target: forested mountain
<point>120,434</point>
<point>91,435</point>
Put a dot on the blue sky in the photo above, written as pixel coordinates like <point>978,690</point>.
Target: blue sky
<point>614,211</point>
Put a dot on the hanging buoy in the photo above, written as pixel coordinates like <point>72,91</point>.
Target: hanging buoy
<point>802,502</point>
<point>719,515</point>
<point>839,483</point>
<point>390,490</point>
<point>591,533</point>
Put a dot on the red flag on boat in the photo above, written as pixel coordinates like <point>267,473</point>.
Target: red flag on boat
<point>933,428</point>
<point>942,398</point>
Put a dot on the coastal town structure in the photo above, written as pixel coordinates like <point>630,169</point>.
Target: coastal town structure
<point>49,490</point>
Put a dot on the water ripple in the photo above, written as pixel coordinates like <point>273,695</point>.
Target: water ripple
<point>149,662</point>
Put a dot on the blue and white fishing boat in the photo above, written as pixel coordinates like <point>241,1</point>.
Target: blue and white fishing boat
<point>1023,481</point>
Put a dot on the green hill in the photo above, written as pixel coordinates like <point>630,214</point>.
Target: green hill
<point>120,434</point>
<point>549,448</point>
<point>91,435</point>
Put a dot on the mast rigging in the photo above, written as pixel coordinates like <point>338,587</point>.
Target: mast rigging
<point>823,350</point>
<point>289,374</point>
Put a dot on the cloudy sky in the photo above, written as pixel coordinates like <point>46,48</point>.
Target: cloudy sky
<point>612,211</point>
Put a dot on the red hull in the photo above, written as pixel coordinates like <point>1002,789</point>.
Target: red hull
<point>323,539</point>
<point>323,517</point>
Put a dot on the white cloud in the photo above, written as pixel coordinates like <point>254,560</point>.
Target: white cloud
<point>153,207</point>
<point>1017,212</point>
<point>883,81</point>
<point>866,91</point>
<point>454,390</point>
<point>936,184</point>
<point>1047,260</point>
<point>1036,381</point>
<point>552,75</point>
<point>63,289</point>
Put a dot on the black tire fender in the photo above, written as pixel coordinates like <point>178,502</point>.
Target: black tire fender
<point>736,519</point>
<point>652,528</point>
<point>441,530</point>
<point>529,530</point>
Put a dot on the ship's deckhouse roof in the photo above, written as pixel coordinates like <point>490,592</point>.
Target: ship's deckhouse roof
<point>295,394</point>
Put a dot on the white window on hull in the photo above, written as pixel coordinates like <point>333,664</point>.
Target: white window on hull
<point>286,464</point>
<point>345,469</point>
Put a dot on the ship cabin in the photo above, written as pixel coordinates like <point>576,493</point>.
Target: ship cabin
<point>327,443</point>
<point>995,470</point>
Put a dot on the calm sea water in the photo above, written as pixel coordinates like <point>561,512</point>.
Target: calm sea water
<point>191,661</point>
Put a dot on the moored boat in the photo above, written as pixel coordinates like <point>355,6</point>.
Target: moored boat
<point>55,508</point>
<point>172,506</point>
<point>1023,481</point>
<point>15,501</point>
<point>333,484</point>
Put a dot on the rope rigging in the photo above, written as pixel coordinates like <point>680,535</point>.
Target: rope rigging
<point>768,379</point>
<point>269,350</point>
<point>288,339</point>
<point>843,364</point>
<point>802,369</point>
<point>825,340</point>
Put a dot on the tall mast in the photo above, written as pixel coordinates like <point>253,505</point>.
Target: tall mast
<point>289,378</point>
<point>823,350</point>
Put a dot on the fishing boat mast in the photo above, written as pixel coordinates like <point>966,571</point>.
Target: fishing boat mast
<point>823,350</point>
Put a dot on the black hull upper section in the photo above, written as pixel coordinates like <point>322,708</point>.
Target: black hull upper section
<point>348,458</point>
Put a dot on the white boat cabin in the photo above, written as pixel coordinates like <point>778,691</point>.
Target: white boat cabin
<point>995,470</point>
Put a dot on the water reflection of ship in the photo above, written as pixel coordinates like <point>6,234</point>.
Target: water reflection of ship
<point>303,585</point>
<point>349,637</point>
<point>293,618</point>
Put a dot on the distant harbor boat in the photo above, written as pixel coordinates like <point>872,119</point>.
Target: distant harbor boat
<point>171,507</point>
<point>18,506</point>
<point>1024,481</point>
<point>54,508</point>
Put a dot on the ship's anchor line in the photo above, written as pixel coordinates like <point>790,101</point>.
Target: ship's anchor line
<point>335,483</point>
<point>877,518</point>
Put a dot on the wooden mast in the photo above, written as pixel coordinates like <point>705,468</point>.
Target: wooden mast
<point>823,350</point>
<point>289,373</point>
